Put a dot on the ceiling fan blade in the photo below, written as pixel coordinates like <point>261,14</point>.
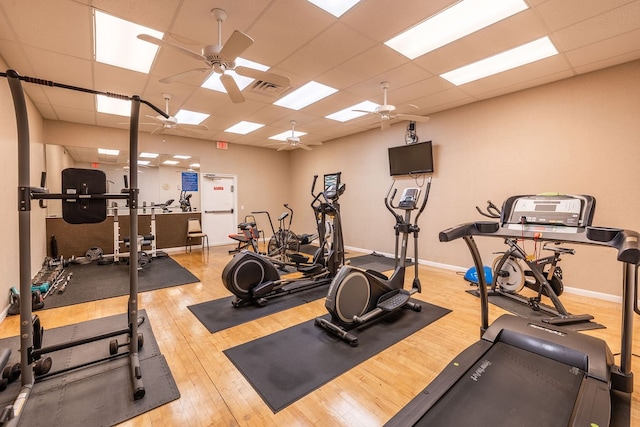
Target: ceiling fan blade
<point>157,130</point>
<point>411,117</point>
<point>365,111</point>
<point>384,124</point>
<point>284,147</point>
<point>304,147</point>
<point>175,47</point>
<point>276,79</point>
<point>184,74</point>
<point>235,45</point>
<point>232,88</point>
<point>180,129</point>
<point>192,127</point>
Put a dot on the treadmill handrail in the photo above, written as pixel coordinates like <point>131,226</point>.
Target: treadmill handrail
<point>627,242</point>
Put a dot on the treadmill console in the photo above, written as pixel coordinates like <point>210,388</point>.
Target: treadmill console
<point>409,199</point>
<point>548,212</point>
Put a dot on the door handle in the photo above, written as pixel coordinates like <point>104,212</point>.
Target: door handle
<point>220,211</point>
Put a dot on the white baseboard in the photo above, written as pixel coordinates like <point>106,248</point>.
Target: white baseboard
<point>569,290</point>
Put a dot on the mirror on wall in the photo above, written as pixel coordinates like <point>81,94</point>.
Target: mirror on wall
<point>161,177</point>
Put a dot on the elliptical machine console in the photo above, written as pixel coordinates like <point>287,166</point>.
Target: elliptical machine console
<point>357,296</point>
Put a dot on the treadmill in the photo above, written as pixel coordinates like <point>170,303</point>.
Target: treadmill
<point>529,373</point>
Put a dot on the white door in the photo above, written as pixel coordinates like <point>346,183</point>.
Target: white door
<point>219,213</point>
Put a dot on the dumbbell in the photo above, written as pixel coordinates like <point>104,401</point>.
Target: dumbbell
<point>43,287</point>
<point>114,345</point>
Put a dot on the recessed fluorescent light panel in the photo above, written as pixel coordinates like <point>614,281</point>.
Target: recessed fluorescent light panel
<point>108,151</point>
<point>305,95</point>
<point>191,117</point>
<point>335,7</point>
<point>244,128</point>
<point>214,83</point>
<point>194,165</point>
<point>181,157</point>
<point>170,162</point>
<point>525,54</point>
<point>108,105</point>
<point>349,113</point>
<point>284,135</point>
<point>116,43</point>
<point>144,162</point>
<point>453,23</point>
<point>148,155</point>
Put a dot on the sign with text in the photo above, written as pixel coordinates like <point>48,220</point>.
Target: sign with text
<point>189,181</point>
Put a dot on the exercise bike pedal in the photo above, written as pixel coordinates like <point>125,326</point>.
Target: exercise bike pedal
<point>393,300</point>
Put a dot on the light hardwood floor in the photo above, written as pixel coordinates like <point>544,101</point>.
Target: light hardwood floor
<point>214,393</point>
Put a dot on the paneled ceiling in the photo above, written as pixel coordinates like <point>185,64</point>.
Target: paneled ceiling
<point>53,40</point>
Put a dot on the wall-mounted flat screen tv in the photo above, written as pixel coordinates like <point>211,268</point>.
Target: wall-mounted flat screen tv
<point>411,159</point>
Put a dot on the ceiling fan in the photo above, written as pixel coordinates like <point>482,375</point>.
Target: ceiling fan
<point>386,112</point>
<point>292,142</point>
<point>171,123</point>
<point>220,58</point>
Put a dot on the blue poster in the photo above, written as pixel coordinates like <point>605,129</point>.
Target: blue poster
<point>189,181</point>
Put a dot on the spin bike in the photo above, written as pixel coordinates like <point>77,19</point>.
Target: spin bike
<point>543,275</point>
<point>254,278</point>
<point>358,296</point>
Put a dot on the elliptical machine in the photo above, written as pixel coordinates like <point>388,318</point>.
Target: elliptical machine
<point>254,278</point>
<point>358,296</point>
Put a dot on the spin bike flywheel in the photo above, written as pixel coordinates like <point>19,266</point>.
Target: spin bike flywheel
<point>510,278</point>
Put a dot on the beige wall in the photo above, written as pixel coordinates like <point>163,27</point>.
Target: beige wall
<point>263,174</point>
<point>9,249</point>
<point>578,135</point>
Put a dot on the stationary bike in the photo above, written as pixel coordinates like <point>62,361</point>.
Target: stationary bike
<point>541,274</point>
<point>254,278</point>
<point>358,296</point>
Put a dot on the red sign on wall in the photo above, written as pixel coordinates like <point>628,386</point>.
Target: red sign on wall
<point>218,188</point>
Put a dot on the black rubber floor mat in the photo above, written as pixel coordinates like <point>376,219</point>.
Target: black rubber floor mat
<point>219,314</point>
<point>287,365</point>
<point>527,312</point>
<point>99,394</point>
<point>91,282</point>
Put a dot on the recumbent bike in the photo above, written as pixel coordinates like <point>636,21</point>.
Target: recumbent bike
<point>358,296</point>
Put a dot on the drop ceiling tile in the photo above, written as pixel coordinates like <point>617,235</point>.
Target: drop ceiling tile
<point>558,14</point>
<point>609,48</point>
<point>521,75</point>
<point>330,48</point>
<point>609,24</point>
<point>499,37</point>
<point>49,24</point>
<point>383,19</point>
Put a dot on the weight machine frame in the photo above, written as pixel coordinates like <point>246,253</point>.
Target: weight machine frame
<point>26,193</point>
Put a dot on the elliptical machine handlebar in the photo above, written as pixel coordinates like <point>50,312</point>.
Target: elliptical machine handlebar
<point>424,201</point>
